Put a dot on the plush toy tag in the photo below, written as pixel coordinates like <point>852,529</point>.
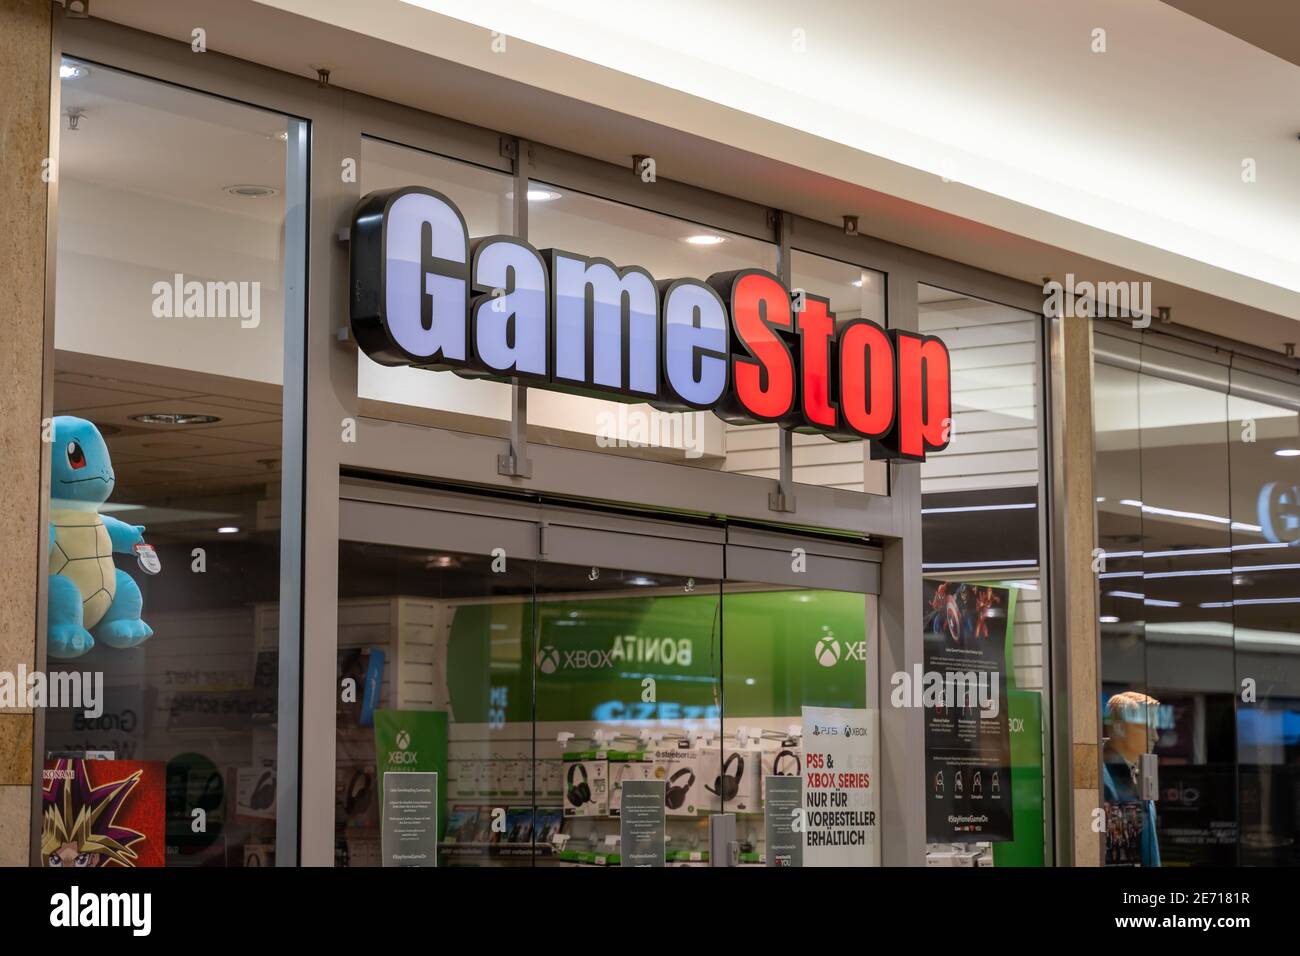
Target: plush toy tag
<point>147,558</point>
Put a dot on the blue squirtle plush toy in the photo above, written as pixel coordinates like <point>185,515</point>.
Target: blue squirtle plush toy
<point>88,593</point>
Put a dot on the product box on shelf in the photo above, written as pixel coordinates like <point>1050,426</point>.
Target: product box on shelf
<point>679,769</point>
<point>586,784</point>
<point>730,776</point>
<point>783,761</point>
<point>627,765</point>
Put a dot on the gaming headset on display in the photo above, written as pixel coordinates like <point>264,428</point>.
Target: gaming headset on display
<point>356,801</point>
<point>776,764</point>
<point>579,790</point>
<point>264,792</point>
<point>675,795</point>
<point>725,785</point>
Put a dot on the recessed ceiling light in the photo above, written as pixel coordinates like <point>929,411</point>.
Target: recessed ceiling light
<point>251,191</point>
<point>705,239</point>
<point>536,194</point>
<point>72,71</point>
<point>1287,452</point>
<point>174,418</point>
<point>228,529</point>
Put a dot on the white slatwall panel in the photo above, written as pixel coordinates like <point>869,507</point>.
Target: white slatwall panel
<point>752,450</point>
<point>994,390</point>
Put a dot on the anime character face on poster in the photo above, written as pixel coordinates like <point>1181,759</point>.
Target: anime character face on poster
<point>78,826</point>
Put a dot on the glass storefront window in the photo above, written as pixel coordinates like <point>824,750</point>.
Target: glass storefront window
<point>1196,484</point>
<point>667,248</point>
<point>172,280</point>
<point>424,396</point>
<point>854,292</point>
<point>985,575</point>
<point>540,687</point>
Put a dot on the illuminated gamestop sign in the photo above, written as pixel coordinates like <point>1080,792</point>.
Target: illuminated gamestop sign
<point>423,293</point>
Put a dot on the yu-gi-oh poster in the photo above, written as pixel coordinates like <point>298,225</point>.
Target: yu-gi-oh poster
<point>102,813</point>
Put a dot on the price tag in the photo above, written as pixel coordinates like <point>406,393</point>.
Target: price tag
<point>147,558</point>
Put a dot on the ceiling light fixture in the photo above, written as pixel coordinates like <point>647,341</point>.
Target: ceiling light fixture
<point>1288,453</point>
<point>705,239</point>
<point>174,418</point>
<point>536,194</point>
<point>73,71</point>
<point>251,191</point>
<point>228,529</point>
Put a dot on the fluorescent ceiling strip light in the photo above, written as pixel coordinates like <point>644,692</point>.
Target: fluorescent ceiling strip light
<point>1029,562</point>
<point>1288,600</point>
<point>1193,515</point>
<point>965,508</point>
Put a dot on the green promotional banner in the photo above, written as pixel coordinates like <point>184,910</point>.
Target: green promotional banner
<point>783,650</point>
<point>413,741</point>
<point>1025,718</point>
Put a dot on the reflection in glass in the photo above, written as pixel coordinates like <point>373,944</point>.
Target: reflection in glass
<point>167,382</point>
<point>981,526</point>
<point>1199,603</point>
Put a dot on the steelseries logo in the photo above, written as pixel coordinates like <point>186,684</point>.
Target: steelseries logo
<point>424,294</point>
<point>625,649</point>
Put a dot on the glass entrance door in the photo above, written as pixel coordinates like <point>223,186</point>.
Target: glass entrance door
<point>799,742</point>
<point>546,662</point>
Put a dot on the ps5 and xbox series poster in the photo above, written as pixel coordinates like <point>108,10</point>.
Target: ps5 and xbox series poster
<point>962,687</point>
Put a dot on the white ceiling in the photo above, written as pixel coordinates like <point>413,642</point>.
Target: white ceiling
<point>1122,165</point>
<point>207,143</point>
<point>1145,139</point>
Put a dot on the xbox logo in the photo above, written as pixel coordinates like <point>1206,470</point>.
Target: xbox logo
<point>548,660</point>
<point>403,740</point>
<point>828,651</point>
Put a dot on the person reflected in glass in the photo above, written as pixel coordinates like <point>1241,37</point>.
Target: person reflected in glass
<point>1131,720</point>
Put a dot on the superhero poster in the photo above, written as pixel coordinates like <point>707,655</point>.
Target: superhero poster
<point>963,689</point>
<point>103,813</point>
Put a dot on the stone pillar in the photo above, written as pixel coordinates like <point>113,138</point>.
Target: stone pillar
<point>1079,643</point>
<point>25,72</point>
